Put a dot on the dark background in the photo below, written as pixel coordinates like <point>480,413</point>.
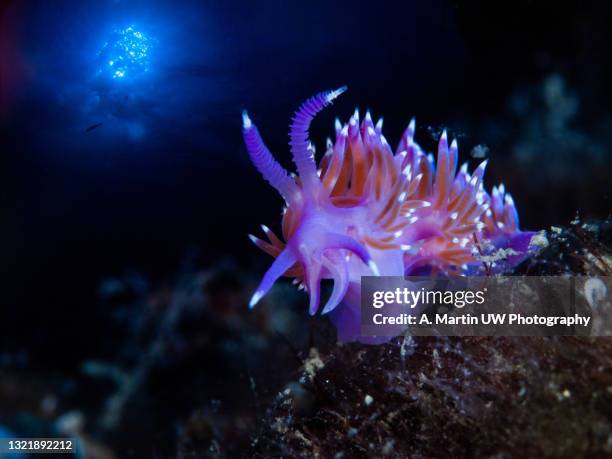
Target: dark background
<point>169,172</point>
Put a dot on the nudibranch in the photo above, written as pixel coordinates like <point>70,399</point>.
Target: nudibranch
<point>367,211</point>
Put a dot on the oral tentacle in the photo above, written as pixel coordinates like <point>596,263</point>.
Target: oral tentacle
<point>313,283</point>
<point>340,241</point>
<point>285,260</point>
<point>340,274</point>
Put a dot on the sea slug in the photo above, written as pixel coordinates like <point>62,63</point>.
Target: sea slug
<point>365,210</point>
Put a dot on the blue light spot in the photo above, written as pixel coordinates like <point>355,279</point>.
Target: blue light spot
<point>126,54</point>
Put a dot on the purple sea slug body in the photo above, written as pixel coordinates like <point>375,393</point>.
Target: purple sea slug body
<point>366,210</point>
